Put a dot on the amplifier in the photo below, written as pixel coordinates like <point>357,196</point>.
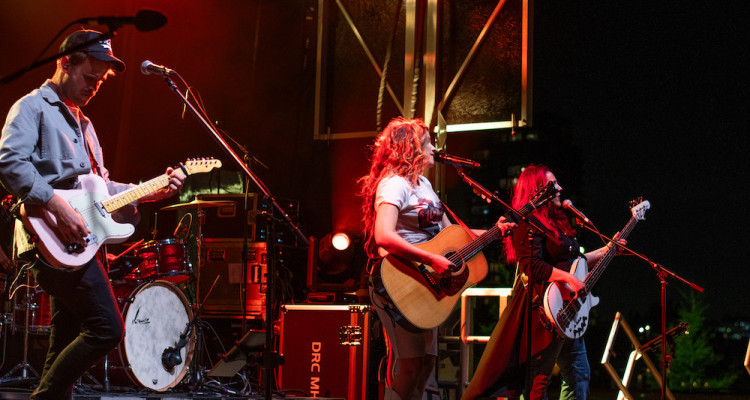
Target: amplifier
<point>223,258</point>
<point>227,221</point>
<point>325,349</point>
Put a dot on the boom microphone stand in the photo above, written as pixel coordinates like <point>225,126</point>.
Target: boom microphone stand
<point>514,215</point>
<point>662,274</point>
<point>270,357</point>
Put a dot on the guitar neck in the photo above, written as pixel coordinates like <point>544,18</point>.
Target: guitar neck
<point>476,245</point>
<point>598,269</point>
<point>115,202</point>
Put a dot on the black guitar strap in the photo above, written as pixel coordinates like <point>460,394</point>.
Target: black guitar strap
<point>385,300</point>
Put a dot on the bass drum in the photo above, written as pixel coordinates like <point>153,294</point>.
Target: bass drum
<point>156,314</point>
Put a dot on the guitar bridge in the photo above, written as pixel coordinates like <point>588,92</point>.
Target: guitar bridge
<point>430,279</point>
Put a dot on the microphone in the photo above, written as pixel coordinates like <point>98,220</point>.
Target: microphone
<point>567,204</point>
<point>148,68</point>
<point>144,20</point>
<point>458,162</point>
<point>171,358</point>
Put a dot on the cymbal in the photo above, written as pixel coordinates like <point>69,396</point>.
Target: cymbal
<point>198,204</point>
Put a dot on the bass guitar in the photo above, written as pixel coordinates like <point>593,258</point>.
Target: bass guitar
<point>92,201</point>
<point>570,316</point>
<point>426,299</point>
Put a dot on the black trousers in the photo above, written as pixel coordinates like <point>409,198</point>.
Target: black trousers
<point>85,324</point>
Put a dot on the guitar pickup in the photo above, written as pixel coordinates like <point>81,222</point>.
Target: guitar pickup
<point>100,208</point>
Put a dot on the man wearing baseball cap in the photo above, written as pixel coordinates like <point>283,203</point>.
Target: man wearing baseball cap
<point>47,142</point>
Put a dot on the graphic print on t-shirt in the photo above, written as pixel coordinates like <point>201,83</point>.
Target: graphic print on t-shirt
<point>429,216</point>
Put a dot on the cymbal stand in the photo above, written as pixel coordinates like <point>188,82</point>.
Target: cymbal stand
<point>26,370</point>
<point>197,375</point>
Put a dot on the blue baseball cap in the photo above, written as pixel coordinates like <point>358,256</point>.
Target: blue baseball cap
<point>101,49</point>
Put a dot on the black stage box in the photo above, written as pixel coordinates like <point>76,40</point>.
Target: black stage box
<point>223,257</point>
<point>227,221</point>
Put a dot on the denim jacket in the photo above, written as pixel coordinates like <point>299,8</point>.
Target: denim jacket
<point>42,148</point>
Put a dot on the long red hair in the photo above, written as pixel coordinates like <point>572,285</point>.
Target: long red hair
<point>533,178</point>
<point>397,151</point>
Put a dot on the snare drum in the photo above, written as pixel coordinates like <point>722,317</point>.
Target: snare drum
<point>156,314</point>
<point>164,259</point>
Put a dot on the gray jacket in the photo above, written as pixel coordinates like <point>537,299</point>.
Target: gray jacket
<point>42,148</point>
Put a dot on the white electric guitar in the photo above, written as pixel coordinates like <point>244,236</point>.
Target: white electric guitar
<point>570,317</point>
<point>92,201</point>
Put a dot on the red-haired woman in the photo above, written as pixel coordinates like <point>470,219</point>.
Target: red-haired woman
<point>401,209</point>
<point>502,369</point>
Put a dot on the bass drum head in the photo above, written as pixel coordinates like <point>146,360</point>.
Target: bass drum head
<point>154,321</point>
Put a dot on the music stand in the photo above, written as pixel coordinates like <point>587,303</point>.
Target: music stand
<point>254,341</point>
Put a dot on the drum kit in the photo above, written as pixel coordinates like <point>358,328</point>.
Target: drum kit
<point>150,287</point>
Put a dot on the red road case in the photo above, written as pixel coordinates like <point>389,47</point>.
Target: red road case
<point>325,349</point>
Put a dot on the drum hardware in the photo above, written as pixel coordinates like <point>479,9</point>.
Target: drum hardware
<point>123,266</point>
<point>171,355</point>
<point>198,205</point>
<point>25,369</point>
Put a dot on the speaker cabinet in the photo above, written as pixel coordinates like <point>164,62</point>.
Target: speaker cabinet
<point>222,258</point>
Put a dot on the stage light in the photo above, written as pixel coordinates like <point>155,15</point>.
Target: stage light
<point>331,263</point>
<point>340,241</point>
<point>334,257</point>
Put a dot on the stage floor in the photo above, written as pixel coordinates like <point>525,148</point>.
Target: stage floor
<point>12,394</point>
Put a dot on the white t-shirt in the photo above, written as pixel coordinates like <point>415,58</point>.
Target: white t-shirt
<point>420,215</point>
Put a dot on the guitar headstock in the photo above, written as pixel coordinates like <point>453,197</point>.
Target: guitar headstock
<point>638,208</point>
<point>543,195</point>
<point>196,165</point>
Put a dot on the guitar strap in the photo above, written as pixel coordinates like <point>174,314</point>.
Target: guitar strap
<point>461,223</point>
<point>94,164</point>
<point>83,124</point>
<point>384,299</point>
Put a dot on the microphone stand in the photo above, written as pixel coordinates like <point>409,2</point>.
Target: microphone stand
<point>662,274</point>
<point>270,362</point>
<point>246,159</point>
<point>104,36</point>
<point>516,216</point>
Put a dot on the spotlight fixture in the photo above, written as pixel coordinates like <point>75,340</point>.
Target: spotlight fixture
<point>340,241</point>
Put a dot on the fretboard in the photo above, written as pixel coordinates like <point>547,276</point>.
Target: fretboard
<point>122,199</point>
<point>476,245</point>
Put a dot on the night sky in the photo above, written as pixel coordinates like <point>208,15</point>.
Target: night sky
<point>656,96</point>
